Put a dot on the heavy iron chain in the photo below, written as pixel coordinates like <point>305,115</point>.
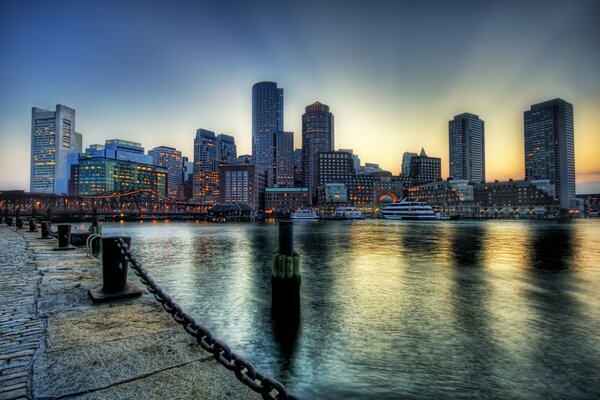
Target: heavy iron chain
<point>243,369</point>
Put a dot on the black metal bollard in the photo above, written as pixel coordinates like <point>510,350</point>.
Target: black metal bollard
<point>9,221</point>
<point>285,277</point>
<point>32,225</point>
<point>19,223</point>
<point>46,230</point>
<point>64,237</point>
<point>114,273</point>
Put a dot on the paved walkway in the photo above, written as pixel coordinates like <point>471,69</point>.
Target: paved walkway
<point>20,330</point>
<point>55,343</point>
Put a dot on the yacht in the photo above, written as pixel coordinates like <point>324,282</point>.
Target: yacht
<point>304,213</point>
<point>348,213</point>
<point>410,210</point>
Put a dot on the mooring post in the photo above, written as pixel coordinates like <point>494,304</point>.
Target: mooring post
<point>46,230</point>
<point>285,274</point>
<point>32,225</point>
<point>9,221</point>
<point>114,273</point>
<point>95,228</point>
<point>2,216</point>
<point>64,237</point>
<point>19,223</point>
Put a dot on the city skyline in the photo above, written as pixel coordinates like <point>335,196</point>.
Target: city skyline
<point>387,89</point>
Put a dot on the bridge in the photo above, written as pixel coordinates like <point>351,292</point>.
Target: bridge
<point>142,203</point>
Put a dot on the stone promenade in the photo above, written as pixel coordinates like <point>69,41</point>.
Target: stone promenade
<point>55,343</point>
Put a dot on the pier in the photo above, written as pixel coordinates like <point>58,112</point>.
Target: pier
<point>55,342</point>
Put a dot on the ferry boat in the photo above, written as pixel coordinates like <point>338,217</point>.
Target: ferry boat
<point>409,210</point>
<point>304,213</point>
<point>348,213</point>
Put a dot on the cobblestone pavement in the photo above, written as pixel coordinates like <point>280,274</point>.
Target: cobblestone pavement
<point>55,343</point>
<point>21,333</point>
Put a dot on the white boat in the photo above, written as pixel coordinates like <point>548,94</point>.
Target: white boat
<point>304,213</point>
<point>409,210</point>
<point>348,213</point>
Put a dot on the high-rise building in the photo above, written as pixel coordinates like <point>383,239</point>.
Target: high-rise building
<point>549,148</point>
<point>423,169</point>
<point>228,149</point>
<point>406,157</point>
<point>118,166</point>
<point>267,120</point>
<point>284,159</point>
<point>243,184</point>
<point>53,137</point>
<point>467,148</point>
<point>355,159</point>
<point>171,159</point>
<point>317,136</point>
<point>298,176</point>
<point>210,153</point>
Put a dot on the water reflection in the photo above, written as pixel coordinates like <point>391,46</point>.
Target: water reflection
<point>389,310</point>
<point>551,247</point>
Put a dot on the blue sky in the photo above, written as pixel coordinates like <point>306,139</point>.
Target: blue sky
<point>393,72</point>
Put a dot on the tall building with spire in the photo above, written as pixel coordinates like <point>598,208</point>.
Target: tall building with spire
<point>53,138</point>
<point>267,120</point>
<point>317,136</point>
<point>467,148</point>
<point>549,148</point>
<point>424,169</point>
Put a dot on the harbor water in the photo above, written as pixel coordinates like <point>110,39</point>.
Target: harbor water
<point>390,309</point>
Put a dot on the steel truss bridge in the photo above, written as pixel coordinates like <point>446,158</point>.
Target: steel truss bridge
<point>136,203</point>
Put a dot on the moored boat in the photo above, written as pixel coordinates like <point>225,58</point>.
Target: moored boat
<point>304,213</point>
<point>409,210</point>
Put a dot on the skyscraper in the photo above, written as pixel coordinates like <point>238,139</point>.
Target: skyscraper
<point>467,148</point>
<point>170,158</point>
<point>53,137</point>
<point>317,136</point>
<point>549,148</point>
<point>267,120</point>
<point>406,157</point>
<point>210,153</point>
<point>284,159</point>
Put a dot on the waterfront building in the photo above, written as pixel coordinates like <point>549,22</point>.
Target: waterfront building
<point>549,148</point>
<point>387,187</point>
<point>591,204</point>
<point>53,138</point>
<point>243,185</point>
<point>451,197</point>
<point>333,167</point>
<point>317,136</point>
<point>355,159</point>
<point>332,195</point>
<point>119,166</point>
<point>523,198</point>
<point>423,169</point>
<point>171,159</point>
<point>298,175</point>
<point>281,201</point>
<point>406,157</point>
<point>284,159</point>
<point>467,148</point>
<point>360,191</point>
<point>210,153</point>
<point>267,120</point>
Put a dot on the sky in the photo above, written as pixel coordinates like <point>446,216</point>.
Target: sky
<point>393,73</point>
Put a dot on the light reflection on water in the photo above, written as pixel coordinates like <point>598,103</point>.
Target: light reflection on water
<point>391,309</point>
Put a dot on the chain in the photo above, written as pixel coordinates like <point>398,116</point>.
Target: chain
<point>243,369</point>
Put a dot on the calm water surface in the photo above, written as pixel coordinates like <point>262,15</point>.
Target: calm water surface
<point>482,309</point>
